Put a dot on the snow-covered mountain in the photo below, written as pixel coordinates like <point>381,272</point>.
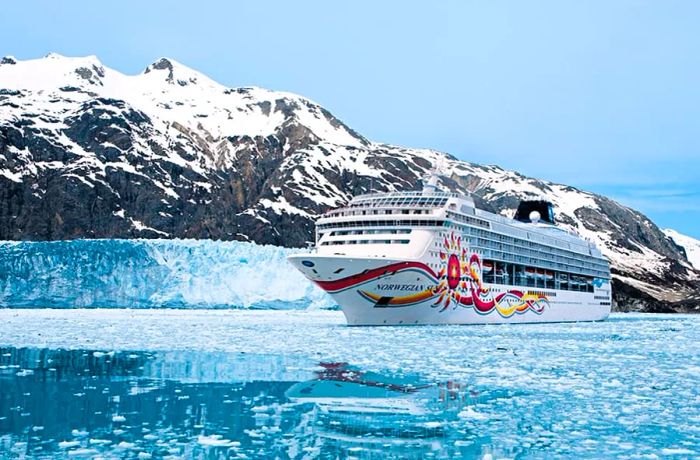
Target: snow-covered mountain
<point>86,151</point>
<point>689,244</point>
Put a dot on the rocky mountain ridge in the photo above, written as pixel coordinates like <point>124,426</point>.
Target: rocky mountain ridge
<point>88,152</point>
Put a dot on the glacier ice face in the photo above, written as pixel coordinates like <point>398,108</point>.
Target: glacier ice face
<point>152,274</point>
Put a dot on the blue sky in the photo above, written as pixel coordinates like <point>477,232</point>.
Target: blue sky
<point>602,95</point>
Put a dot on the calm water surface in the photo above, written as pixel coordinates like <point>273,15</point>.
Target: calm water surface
<point>607,390</point>
<point>81,403</point>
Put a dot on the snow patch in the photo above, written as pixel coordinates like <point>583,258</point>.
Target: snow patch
<point>690,244</point>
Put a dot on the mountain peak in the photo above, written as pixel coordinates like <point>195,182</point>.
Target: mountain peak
<point>175,73</point>
<point>91,59</point>
<point>160,64</point>
<point>51,71</point>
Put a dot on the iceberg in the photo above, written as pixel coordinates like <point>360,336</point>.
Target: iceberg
<point>153,274</point>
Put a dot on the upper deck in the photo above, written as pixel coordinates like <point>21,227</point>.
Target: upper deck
<point>423,207</point>
<point>404,225</point>
<point>375,203</point>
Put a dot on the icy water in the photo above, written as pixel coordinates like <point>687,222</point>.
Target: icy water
<point>215,384</point>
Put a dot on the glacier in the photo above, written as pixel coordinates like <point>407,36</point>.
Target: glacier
<point>153,274</point>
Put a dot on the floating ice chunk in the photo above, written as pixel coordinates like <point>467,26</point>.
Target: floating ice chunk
<point>68,444</point>
<point>100,442</point>
<point>471,414</point>
<point>82,452</point>
<point>677,451</point>
<point>100,354</point>
<point>216,440</point>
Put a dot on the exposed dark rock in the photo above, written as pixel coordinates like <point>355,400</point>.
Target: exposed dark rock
<point>162,64</point>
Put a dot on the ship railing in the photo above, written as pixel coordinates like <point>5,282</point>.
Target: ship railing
<point>416,193</point>
<point>357,210</point>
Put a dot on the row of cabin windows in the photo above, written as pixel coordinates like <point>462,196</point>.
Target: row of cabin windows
<point>394,231</point>
<point>544,252</point>
<point>543,260</point>
<point>375,212</point>
<point>529,242</point>
<point>338,243</point>
<point>532,261</point>
<point>382,223</point>
<point>518,275</point>
<point>470,220</point>
<point>399,201</point>
<point>537,251</point>
<point>520,260</point>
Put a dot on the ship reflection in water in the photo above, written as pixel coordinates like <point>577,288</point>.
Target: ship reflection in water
<point>372,410</point>
<point>81,403</point>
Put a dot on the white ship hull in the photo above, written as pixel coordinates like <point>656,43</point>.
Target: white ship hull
<point>432,257</point>
<point>381,291</point>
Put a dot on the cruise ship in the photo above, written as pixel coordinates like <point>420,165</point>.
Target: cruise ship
<point>433,257</point>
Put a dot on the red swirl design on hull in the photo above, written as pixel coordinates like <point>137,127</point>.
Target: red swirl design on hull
<point>368,275</point>
<point>457,283</point>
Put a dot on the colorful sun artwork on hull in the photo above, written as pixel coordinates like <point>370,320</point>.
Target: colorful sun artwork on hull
<point>458,283</point>
<point>450,283</point>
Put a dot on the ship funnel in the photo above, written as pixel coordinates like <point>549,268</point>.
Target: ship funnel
<point>535,211</point>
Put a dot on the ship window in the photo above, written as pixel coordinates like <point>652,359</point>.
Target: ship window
<point>536,277</point>
<point>487,271</point>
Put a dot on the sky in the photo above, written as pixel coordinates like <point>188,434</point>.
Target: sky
<point>602,95</point>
